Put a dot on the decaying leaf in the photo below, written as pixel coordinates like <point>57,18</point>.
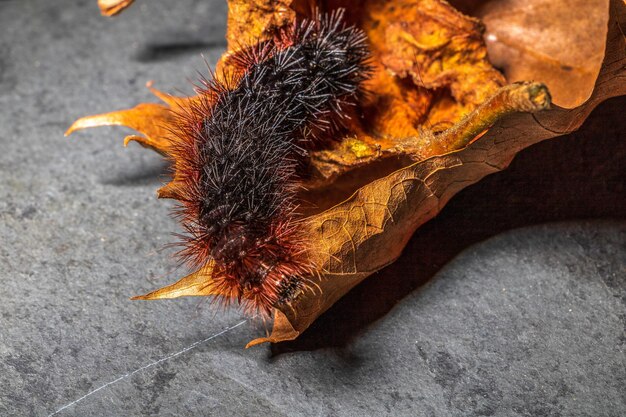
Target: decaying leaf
<point>426,74</point>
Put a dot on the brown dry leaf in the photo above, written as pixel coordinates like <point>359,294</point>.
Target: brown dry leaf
<point>145,118</point>
<point>542,40</point>
<point>113,7</point>
<point>369,229</point>
<point>385,213</point>
<point>150,119</point>
<point>196,284</point>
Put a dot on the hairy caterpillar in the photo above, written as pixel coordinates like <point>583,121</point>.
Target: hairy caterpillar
<point>239,151</point>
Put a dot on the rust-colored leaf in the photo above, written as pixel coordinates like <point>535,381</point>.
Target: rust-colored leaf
<point>113,7</point>
<point>431,69</point>
<point>560,43</point>
<point>436,47</point>
<point>369,230</point>
<point>386,212</point>
<point>198,283</point>
<point>150,119</point>
<point>436,109</point>
<point>147,118</point>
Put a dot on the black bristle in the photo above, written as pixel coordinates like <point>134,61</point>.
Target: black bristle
<point>255,135</point>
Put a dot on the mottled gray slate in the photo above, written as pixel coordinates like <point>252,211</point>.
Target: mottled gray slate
<point>529,322</point>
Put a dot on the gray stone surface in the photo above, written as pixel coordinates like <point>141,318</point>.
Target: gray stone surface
<point>474,319</point>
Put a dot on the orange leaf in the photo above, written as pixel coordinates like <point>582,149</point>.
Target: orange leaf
<point>369,230</point>
<point>195,284</point>
<point>150,119</point>
<point>146,118</point>
<point>113,7</point>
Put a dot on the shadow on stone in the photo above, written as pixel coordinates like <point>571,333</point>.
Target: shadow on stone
<point>157,173</point>
<point>166,51</point>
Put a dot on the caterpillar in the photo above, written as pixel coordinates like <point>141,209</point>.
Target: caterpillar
<point>240,151</point>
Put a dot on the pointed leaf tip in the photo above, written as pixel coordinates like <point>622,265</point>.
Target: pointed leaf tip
<point>149,119</point>
<point>113,7</point>
<point>170,190</point>
<point>282,330</point>
<point>198,283</point>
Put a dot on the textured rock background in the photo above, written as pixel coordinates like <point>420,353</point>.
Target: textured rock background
<point>511,302</point>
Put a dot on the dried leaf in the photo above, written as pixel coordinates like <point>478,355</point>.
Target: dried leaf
<point>368,230</point>
<point>385,213</point>
<point>431,69</point>
<point>437,48</point>
<point>147,118</point>
<point>560,43</point>
<point>195,284</point>
<point>151,119</point>
<point>113,7</point>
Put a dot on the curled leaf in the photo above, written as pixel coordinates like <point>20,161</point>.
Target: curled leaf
<point>385,213</point>
<point>151,119</point>
<point>369,230</point>
<point>430,67</point>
